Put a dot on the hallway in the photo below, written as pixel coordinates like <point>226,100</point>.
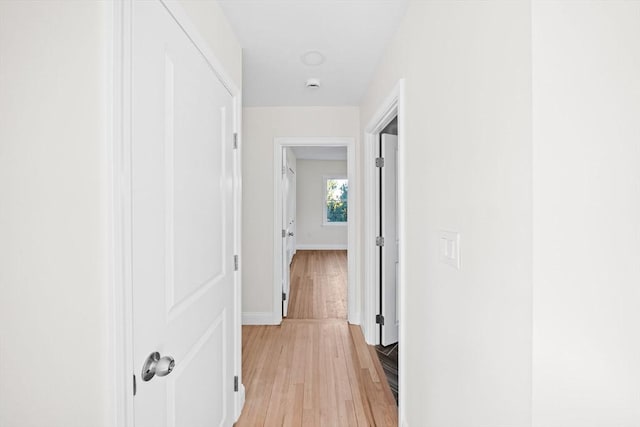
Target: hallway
<point>318,285</point>
<point>313,373</point>
<point>315,369</point>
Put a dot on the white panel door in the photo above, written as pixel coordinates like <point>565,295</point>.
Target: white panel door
<point>285,234</point>
<point>182,226</point>
<point>291,205</point>
<point>288,225</point>
<point>389,274</point>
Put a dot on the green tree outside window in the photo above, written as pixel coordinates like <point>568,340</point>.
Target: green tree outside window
<point>337,197</point>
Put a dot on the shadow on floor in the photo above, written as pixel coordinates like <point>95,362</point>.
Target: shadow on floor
<point>389,359</point>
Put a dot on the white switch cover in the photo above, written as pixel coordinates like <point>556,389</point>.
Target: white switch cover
<point>450,248</point>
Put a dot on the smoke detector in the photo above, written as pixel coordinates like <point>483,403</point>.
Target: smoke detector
<point>313,83</point>
<point>312,58</point>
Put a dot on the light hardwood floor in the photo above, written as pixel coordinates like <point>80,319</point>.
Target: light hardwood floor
<point>314,369</point>
<point>313,373</point>
<point>318,285</point>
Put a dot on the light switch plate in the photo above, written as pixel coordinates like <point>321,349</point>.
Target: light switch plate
<point>449,248</point>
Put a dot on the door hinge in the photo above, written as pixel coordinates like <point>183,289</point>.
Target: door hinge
<point>379,319</point>
<point>284,233</point>
<point>235,141</point>
<point>235,262</point>
<point>379,162</point>
<point>379,241</point>
<point>235,383</point>
<point>284,296</point>
<point>284,170</point>
<point>135,386</point>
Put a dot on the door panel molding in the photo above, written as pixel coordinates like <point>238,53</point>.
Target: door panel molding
<point>169,179</point>
<point>218,324</point>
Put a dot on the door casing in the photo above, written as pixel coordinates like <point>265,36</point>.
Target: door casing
<point>392,106</point>
<point>353,312</point>
<point>118,203</point>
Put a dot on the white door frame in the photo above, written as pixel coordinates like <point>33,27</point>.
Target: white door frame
<point>392,106</point>
<point>353,315</point>
<point>118,204</point>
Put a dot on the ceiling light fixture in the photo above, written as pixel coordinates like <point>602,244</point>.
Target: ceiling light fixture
<point>313,83</point>
<point>312,58</point>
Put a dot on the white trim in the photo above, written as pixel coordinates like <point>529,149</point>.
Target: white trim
<point>322,247</point>
<point>237,291</point>
<point>402,373</point>
<point>393,105</point>
<point>389,109</point>
<point>353,314</point>
<point>119,205</point>
<point>183,20</point>
<point>119,201</point>
<point>258,318</point>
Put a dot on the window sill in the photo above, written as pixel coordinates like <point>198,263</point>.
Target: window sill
<point>335,224</point>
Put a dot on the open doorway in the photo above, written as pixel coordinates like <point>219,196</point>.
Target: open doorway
<point>388,243</point>
<point>319,209</point>
<point>383,307</point>
<point>314,228</point>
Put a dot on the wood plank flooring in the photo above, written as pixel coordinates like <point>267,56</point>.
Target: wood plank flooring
<point>313,373</point>
<point>318,285</point>
<point>315,369</point>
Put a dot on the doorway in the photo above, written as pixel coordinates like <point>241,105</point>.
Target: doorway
<point>327,220</point>
<point>387,218</point>
<point>319,211</point>
<point>383,313</point>
<point>387,241</point>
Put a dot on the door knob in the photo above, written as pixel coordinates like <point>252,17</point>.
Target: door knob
<point>156,365</point>
<point>290,233</point>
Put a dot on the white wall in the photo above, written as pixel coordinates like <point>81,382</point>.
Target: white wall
<point>468,169</point>
<point>311,232</point>
<point>54,331</point>
<point>53,272</point>
<point>522,133</point>
<point>586,297</point>
<point>260,126</point>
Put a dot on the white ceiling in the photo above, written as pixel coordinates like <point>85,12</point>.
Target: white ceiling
<point>320,153</point>
<point>275,34</point>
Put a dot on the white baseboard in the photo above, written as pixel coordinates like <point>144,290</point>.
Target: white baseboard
<point>355,320</point>
<point>257,318</point>
<point>321,247</point>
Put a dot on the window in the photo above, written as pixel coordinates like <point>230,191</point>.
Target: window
<point>336,191</point>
